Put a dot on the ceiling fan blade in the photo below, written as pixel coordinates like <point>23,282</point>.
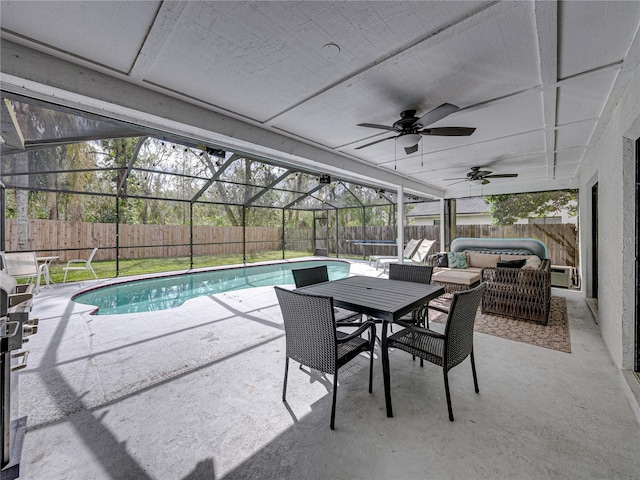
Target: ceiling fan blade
<point>436,114</point>
<point>373,143</point>
<point>410,150</point>
<point>456,178</point>
<point>448,131</point>
<point>502,175</point>
<point>375,125</point>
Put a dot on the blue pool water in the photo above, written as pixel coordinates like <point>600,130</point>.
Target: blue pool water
<point>171,291</point>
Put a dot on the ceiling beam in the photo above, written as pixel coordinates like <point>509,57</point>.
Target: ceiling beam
<point>546,14</point>
<point>163,25</point>
<point>511,187</point>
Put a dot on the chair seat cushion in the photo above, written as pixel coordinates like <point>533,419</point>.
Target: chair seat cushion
<point>457,276</point>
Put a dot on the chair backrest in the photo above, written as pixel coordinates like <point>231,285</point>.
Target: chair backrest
<point>410,273</point>
<point>421,253</point>
<point>93,254</point>
<point>459,329</point>
<point>411,248</point>
<point>310,329</point>
<point>7,283</point>
<point>310,276</point>
<point>21,264</point>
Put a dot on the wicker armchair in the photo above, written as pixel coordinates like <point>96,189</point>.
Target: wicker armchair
<point>518,293</point>
<point>446,350</point>
<point>312,338</point>
<point>310,276</point>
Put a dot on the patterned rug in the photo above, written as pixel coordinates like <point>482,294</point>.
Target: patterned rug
<point>554,335</point>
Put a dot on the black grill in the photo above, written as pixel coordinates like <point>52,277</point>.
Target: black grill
<point>15,327</point>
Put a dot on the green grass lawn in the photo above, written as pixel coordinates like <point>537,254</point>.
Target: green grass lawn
<point>139,266</point>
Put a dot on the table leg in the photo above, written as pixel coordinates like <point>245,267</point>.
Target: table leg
<point>47,279</point>
<point>385,370</point>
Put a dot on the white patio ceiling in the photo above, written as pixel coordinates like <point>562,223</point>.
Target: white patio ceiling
<point>535,79</point>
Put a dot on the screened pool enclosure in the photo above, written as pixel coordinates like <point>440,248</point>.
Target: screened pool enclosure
<point>73,181</point>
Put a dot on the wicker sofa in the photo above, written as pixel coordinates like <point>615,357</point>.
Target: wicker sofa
<point>515,292</point>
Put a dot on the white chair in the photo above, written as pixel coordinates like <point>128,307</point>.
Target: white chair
<point>82,265</point>
<point>408,252</point>
<point>420,255</point>
<point>23,265</point>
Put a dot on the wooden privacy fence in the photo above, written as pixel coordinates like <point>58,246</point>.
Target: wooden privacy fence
<point>75,239</point>
<point>152,241</point>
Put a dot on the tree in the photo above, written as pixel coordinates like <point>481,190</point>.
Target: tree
<point>507,209</point>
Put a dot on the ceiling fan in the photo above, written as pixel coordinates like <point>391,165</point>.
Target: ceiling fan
<point>481,177</point>
<point>410,128</point>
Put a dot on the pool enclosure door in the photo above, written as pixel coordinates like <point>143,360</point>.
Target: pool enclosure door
<point>321,235</point>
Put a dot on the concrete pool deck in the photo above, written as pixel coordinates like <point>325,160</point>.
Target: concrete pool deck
<point>195,393</point>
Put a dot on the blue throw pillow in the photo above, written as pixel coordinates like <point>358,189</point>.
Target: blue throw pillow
<point>457,260</point>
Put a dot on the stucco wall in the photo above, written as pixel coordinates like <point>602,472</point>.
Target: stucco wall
<point>611,163</point>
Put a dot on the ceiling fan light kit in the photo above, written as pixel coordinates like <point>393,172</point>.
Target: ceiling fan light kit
<point>408,139</point>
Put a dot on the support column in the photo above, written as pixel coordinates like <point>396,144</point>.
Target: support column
<point>449,225</point>
<point>400,237</point>
<point>443,240</point>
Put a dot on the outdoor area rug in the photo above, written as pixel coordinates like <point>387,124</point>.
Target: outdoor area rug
<point>554,335</point>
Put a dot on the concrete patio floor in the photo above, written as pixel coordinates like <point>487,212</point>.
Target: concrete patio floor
<point>195,393</point>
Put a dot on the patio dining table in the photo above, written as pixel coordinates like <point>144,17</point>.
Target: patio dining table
<point>381,298</point>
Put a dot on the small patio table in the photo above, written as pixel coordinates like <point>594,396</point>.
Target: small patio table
<point>45,262</point>
<point>388,300</point>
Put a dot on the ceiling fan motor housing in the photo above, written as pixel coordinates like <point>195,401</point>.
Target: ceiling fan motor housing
<point>407,121</point>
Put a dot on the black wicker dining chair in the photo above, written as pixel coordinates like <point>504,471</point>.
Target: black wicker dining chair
<point>310,276</point>
<point>446,350</point>
<point>416,274</point>
<point>313,340</point>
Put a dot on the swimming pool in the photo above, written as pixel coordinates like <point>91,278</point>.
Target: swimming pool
<point>171,291</point>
